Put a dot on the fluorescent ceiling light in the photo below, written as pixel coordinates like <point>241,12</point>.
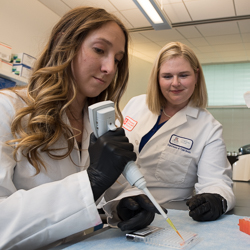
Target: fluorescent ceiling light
<point>153,13</point>
<point>150,10</point>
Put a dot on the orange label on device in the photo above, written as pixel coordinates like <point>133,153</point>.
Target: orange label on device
<point>129,123</point>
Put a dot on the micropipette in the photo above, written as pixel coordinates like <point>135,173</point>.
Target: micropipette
<point>102,119</point>
<point>135,178</point>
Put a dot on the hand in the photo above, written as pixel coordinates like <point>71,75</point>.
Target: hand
<point>136,212</point>
<point>109,154</point>
<point>206,207</point>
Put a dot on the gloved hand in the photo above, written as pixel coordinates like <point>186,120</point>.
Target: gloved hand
<point>206,207</point>
<point>109,154</point>
<point>136,212</point>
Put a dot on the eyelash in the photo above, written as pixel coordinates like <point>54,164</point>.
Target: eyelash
<point>100,51</point>
<point>169,76</point>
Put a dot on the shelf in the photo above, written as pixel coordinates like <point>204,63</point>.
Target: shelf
<point>20,81</point>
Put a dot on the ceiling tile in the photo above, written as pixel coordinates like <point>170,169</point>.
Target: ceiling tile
<point>57,6</point>
<point>235,53</point>
<point>242,7</point>
<point>246,37</point>
<point>136,18</point>
<point>247,46</point>
<point>168,1</point>
<point>162,35</point>
<point>138,38</point>
<point>205,49</point>
<point>198,41</point>
<point>176,12</point>
<point>213,40</point>
<point>189,32</point>
<point>123,19</point>
<point>217,29</point>
<point>204,9</point>
<point>148,47</point>
<point>105,4</point>
<point>207,55</point>
<point>229,47</point>
<point>184,41</point>
<point>244,25</point>
<point>123,5</point>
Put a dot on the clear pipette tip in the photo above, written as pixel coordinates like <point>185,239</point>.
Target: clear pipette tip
<point>172,225</point>
<point>146,191</point>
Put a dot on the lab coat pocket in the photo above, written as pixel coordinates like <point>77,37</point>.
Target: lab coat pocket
<point>172,168</point>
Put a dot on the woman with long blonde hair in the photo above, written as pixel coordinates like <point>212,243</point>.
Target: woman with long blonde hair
<point>179,144</point>
<point>52,172</point>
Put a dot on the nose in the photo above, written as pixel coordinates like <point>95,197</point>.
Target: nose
<point>176,81</point>
<point>108,65</point>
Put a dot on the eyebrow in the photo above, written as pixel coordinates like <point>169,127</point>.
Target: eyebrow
<point>110,44</point>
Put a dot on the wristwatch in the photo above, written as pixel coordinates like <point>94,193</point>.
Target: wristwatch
<point>224,205</point>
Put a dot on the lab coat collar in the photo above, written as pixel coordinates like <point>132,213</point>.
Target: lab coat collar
<point>181,117</point>
<point>87,130</point>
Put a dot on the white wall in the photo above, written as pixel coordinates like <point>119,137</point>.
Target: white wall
<point>139,71</point>
<point>25,25</point>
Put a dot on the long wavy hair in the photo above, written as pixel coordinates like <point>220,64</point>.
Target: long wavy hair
<point>155,99</point>
<point>52,87</point>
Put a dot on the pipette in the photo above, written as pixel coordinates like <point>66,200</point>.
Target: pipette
<point>102,119</point>
<point>135,178</point>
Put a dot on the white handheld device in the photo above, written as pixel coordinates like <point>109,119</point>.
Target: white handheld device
<point>102,119</point>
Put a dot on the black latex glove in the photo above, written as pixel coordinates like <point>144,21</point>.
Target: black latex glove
<point>109,154</point>
<point>205,207</point>
<point>136,212</point>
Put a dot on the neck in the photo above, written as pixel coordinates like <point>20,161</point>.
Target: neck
<point>75,110</point>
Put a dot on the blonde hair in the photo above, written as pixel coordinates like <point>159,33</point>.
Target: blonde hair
<point>52,86</point>
<point>155,98</point>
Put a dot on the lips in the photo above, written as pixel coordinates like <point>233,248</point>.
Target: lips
<point>100,80</point>
<point>176,91</point>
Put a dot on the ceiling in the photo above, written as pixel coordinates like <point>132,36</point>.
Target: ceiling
<point>217,30</point>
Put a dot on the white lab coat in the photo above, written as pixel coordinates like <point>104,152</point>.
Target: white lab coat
<point>39,209</point>
<point>187,152</point>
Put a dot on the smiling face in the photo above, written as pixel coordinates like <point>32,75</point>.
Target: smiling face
<point>177,81</point>
<point>95,65</point>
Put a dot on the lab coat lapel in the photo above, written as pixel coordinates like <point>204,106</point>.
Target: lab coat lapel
<point>146,123</point>
<point>85,139</point>
<point>180,118</point>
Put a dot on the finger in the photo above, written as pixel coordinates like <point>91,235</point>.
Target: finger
<point>122,145</point>
<point>130,203</point>
<point>139,221</point>
<point>198,212</point>
<point>125,151</point>
<point>92,138</point>
<point>118,132</point>
<point>196,201</point>
<point>146,204</point>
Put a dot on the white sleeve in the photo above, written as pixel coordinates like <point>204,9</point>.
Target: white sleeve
<point>37,217</point>
<point>49,212</point>
<point>214,170</point>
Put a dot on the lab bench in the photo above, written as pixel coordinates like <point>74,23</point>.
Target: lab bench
<point>221,234</point>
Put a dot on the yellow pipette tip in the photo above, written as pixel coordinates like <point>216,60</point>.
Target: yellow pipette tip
<point>172,225</point>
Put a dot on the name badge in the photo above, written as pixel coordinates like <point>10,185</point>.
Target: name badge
<point>181,142</point>
<point>129,123</point>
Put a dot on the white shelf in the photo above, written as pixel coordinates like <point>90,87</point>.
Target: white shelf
<point>20,81</point>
